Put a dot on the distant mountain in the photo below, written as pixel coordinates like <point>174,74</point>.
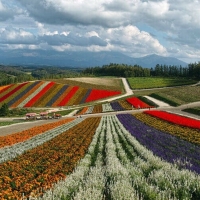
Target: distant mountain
<point>152,60</point>
<point>81,59</point>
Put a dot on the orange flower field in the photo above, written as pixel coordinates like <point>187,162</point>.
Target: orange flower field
<point>26,134</point>
<point>41,167</point>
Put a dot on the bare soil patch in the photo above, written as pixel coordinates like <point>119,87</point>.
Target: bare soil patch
<point>95,81</point>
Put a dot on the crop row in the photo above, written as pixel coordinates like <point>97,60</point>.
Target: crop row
<point>12,92</point>
<point>41,94</point>
<point>183,132</point>
<point>4,87</point>
<point>166,146</point>
<point>26,134</point>
<point>117,166</point>
<point>155,82</point>
<point>26,97</point>
<point>137,103</point>
<point>29,173</point>
<point>100,94</point>
<point>10,152</point>
<point>174,118</point>
<point>107,107</point>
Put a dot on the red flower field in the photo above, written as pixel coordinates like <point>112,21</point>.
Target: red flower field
<point>137,103</point>
<point>176,119</point>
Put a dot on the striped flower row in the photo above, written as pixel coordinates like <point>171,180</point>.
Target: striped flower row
<point>174,118</point>
<point>12,92</point>
<point>166,146</point>
<point>137,103</point>
<point>117,166</point>
<point>42,94</point>
<point>24,135</point>
<point>30,173</point>
<point>10,152</point>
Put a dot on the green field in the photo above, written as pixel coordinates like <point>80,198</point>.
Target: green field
<point>151,82</point>
<point>178,95</point>
<point>6,123</point>
<point>195,111</point>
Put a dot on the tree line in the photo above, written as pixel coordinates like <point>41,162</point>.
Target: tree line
<point>18,74</point>
<point>122,70</point>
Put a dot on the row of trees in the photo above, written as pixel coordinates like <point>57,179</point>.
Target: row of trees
<point>120,70</point>
<point>164,70</point>
<point>191,71</point>
<point>9,75</point>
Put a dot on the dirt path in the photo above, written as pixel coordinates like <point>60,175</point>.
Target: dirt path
<point>127,89</point>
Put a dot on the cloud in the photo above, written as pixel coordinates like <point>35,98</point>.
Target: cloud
<point>81,12</point>
<point>103,25</point>
<point>11,35</point>
<point>133,41</point>
<point>112,13</point>
<point>72,39</point>
<point>5,13</point>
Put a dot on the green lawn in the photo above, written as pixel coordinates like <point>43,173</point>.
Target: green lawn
<point>154,82</point>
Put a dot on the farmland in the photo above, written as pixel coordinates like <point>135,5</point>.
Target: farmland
<point>147,82</point>
<point>122,152</point>
<point>180,95</point>
<point>50,94</point>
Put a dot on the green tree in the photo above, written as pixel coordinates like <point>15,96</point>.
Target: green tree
<point>4,110</point>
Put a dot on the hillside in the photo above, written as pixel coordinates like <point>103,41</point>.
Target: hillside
<point>50,94</point>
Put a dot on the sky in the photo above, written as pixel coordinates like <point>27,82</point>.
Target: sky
<point>133,27</point>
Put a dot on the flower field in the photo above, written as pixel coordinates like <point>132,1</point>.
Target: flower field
<point>106,107</point>
<point>97,108</point>
<point>49,94</point>
<point>120,156</point>
<point>117,166</point>
<point>137,103</point>
<point>28,173</point>
<point>100,94</point>
<point>183,132</point>
<point>26,134</point>
<point>176,119</point>
<point>12,92</point>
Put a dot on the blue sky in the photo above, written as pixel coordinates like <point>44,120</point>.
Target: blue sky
<point>133,27</point>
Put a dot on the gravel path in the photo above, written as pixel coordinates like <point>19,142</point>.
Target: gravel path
<point>127,89</point>
<point>158,102</point>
